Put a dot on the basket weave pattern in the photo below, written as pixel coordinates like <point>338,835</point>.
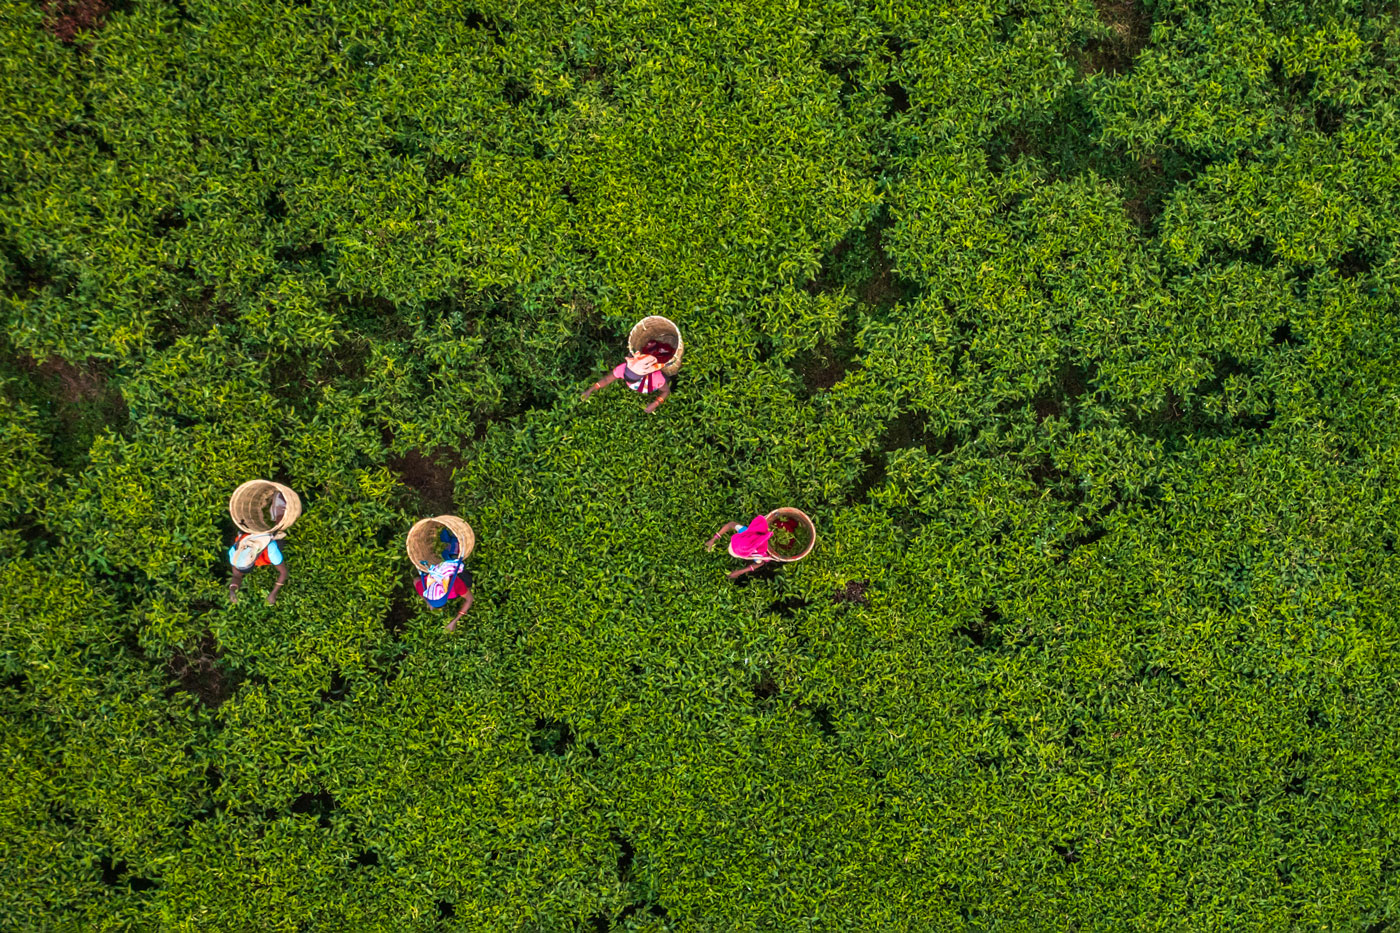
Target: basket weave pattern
<point>657,327</point>
<point>250,504</point>
<point>802,519</point>
<point>423,539</point>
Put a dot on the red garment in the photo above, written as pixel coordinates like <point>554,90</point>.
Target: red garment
<point>459,587</point>
<point>262,560</point>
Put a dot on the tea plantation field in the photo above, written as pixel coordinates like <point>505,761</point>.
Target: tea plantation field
<point>1074,324</point>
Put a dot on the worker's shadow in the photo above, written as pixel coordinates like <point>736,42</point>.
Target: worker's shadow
<point>767,573</point>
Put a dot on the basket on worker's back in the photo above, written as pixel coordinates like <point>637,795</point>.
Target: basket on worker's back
<point>805,535</point>
<point>250,506</point>
<point>657,327</point>
<point>425,540</point>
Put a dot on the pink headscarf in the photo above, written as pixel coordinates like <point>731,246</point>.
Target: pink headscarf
<point>752,542</point>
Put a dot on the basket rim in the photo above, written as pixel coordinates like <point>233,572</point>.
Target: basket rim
<point>442,521</point>
<point>806,520</point>
<point>672,367</point>
<point>289,517</point>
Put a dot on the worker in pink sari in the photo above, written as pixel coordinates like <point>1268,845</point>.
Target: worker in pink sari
<point>749,543</point>
<point>642,372</point>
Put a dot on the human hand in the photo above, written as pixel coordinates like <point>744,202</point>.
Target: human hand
<point>232,594</point>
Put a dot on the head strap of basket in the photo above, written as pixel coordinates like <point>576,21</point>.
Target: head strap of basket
<point>657,327</point>
<point>425,541</point>
<point>801,518</point>
<point>253,505</point>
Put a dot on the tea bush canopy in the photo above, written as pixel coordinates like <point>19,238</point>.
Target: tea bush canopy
<point>1073,325</point>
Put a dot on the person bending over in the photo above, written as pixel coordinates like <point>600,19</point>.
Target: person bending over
<point>642,372</point>
<point>447,580</point>
<point>749,543</point>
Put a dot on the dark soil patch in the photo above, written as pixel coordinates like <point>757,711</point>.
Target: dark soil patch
<point>1354,263</point>
<point>766,687</point>
<point>823,367</point>
<point>430,478</point>
<point>853,593</point>
<point>372,316</point>
<point>652,910</point>
<point>1149,182</point>
<point>69,384</point>
<point>899,97</point>
<point>821,718</point>
<point>626,855</point>
<point>198,671</point>
<point>984,631</point>
<point>67,19</point>
<point>1328,119</point>
<point>1064,139</point>
<point>76,403</point>
<point>907,431</point>
<point>1183,417</point>
<point>338,689</point>
<point>860,264</point>
<point>400,611</point>
<point>439,168</point>
<point>169,221</point>
<point>1283,336</point>
<point>198,310</point>
<point>1130,27</point>
<point>321,804</point>
<point>1072,381</point>
<point>118,873</point>
<point>302,256</point>
<point>788,607</point>
<point>551,737</point>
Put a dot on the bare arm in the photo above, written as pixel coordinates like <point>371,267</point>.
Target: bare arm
<point>603,383</point>
<point>466,604</point>
<point>747,568</point>
<point>728,527</point>
<point>661,396</point>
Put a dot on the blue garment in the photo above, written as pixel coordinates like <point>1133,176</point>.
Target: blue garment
<point>449,544</point>
<point>273,552</point>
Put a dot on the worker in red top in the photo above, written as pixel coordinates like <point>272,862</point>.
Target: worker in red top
<point>251,550</point>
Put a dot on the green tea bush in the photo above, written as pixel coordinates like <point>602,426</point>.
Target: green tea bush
<point>1072,324</point>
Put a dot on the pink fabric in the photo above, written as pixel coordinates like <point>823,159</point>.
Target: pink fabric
<point>752,542</point>
<point>644,384</point>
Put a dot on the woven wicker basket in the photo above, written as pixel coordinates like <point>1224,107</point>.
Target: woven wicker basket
<point>657,327</point>
<point>423,539</point>
<point>250,506</point>
<point>802,520</point>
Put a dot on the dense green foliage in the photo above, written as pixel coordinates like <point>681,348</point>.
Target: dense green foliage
<point>1074,327</point>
